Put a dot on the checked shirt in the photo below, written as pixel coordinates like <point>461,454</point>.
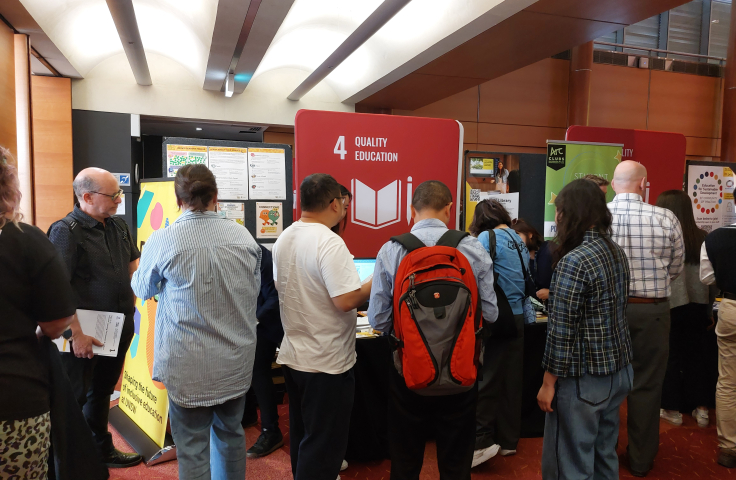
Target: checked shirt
<point>587,330</point>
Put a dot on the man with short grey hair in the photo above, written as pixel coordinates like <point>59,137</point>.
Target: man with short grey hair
<point>100,256</point>
<point>652,239</point>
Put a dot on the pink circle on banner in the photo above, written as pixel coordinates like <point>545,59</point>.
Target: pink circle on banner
<point>157,216</point>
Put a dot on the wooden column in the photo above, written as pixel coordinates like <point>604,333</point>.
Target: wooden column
<point>728,125</point>
<point>578,96</point>
<point>23,125</point>
<point>8,136</point>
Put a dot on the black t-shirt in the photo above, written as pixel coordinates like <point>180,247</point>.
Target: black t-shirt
<point>34,287</point>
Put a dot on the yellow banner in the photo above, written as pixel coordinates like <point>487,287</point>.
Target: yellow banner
<point>186,148</point>
<point>143,400</point>
<point>228,149</point>
<point>267,150</point>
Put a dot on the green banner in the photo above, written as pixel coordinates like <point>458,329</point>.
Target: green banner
<point>568,161</point>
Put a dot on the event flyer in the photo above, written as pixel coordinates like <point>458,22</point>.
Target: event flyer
<point>233,211</point>
<point>269,223</point>
<point>267,173</point>
<point>229,165</point>
<point>568,161</point>
<point>179,155</point>
<point>711,188</point>
<point>474,196</point>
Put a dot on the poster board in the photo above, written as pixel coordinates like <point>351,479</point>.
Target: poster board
<point>568,161</point>
<point>241,166</point>
<point>143,400</point>
<point>710,186</point>
<point>381,159</point>
<point>662,153</point>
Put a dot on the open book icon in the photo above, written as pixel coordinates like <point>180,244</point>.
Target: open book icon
<point>376,209</point>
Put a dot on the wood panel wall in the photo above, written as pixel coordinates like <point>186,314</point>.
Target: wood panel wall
<point>519,111</point>
<point>52,148</point>
<point>8,135</point>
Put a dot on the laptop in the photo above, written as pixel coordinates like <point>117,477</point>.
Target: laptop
<point>365,267</point>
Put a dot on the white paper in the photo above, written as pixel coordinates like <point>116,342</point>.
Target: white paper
<point>121,206</point>
<point>509,200</point>
<point>230,167</point>
<point>269,219</point>
<point>104,326</point>
<point>232,211</point>
<point>711,189</point>
<point>267,173</point>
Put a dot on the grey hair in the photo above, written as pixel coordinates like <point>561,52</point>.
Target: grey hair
<point>84,184</point>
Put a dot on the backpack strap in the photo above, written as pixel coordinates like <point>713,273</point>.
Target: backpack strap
<point>74,228</point>
<point>451,238</point>
<point>492,243</point>
<point>408,241</point>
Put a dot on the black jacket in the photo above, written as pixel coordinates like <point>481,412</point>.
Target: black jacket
<point>267,309</point>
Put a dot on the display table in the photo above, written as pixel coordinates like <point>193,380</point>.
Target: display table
<point>368,437</point>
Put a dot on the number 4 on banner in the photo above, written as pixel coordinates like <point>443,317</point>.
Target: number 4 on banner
<point>340,147</point>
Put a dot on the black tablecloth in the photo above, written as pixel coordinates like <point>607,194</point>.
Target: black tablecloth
<point>368,438</point>
<point>532,417</point>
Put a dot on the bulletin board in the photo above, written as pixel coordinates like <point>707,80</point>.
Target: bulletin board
<point>261,216</point>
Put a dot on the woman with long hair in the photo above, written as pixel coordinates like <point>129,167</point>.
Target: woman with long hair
<point>686,386</point>
<point>36,299</point>
<point>498,414</point>
<point>587,359</point>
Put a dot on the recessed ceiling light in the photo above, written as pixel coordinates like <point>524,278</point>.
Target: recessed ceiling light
<point>199,128</point>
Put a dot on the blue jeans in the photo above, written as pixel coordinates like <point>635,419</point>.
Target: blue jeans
<point>194,429</point>
<point>580,435</point>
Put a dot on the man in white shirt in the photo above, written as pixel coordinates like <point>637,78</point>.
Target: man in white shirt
<point>652,239</point>
<point>718,266</point>
<point>319,290</point>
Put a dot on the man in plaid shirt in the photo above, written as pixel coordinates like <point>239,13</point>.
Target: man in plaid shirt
<point>652,239</point>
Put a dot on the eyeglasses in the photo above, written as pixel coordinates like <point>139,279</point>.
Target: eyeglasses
<point>114,196</point>
<point>344,200</point>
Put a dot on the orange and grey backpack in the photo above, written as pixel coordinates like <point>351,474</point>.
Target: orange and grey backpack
<point>437,318</point>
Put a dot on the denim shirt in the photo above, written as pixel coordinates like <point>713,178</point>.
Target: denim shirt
<point>507,265</point>
<point>429,231</point>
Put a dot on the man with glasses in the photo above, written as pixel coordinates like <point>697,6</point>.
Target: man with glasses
<point>319,290</point>
<point>101,257</point>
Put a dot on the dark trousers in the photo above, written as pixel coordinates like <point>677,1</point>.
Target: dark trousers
<point>319,418</point>
<point>93,381</point>
<point>649,325</point>
<point>262,393</point>
<point>686,384</point>
<point>413,419</point>
<point>498,415</point>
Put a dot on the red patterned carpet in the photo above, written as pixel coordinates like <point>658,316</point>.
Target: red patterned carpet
<point>686,453</point>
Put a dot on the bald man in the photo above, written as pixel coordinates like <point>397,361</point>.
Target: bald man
<point>652,239</point>
<point>100,256</point>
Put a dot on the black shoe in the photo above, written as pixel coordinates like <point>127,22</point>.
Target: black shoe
<point>267,443</point>
<point>118,459</point>
<point>727,458</point>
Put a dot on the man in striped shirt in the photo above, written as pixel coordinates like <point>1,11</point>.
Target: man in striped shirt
<point>652,239</point>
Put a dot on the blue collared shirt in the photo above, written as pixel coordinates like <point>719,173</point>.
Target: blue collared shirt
<point>380,309</point>
<point>206,271</point>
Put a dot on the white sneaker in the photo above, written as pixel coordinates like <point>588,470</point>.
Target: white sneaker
<point>701,416</point>
<point>671,416</point>
<point>484,454</point>
<point>344,466</point>
<point>338,477</point>
<point>506,453</point>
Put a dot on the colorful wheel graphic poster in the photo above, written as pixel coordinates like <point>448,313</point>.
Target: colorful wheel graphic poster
<point>179,155</point>
<point>568,161</point>
<point>711,188</point>
<point>143,400</point>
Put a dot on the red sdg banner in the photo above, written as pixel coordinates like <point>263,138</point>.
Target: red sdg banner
<point>662,153</point>
<point>380,159</point>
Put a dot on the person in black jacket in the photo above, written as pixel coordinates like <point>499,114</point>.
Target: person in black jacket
<point>268,337</point>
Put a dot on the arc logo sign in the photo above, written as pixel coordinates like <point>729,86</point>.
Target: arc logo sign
<point>380,159</point>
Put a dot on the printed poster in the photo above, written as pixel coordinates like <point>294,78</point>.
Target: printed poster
<point>229,165</point>
<point>711,188</point>
<point>179,155</point>
<point>267,173</point>
<point>234,212</point>
<point>474,196</point>
<point>269,223</point>
<point>143,400</point>
<point>568,161</point>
